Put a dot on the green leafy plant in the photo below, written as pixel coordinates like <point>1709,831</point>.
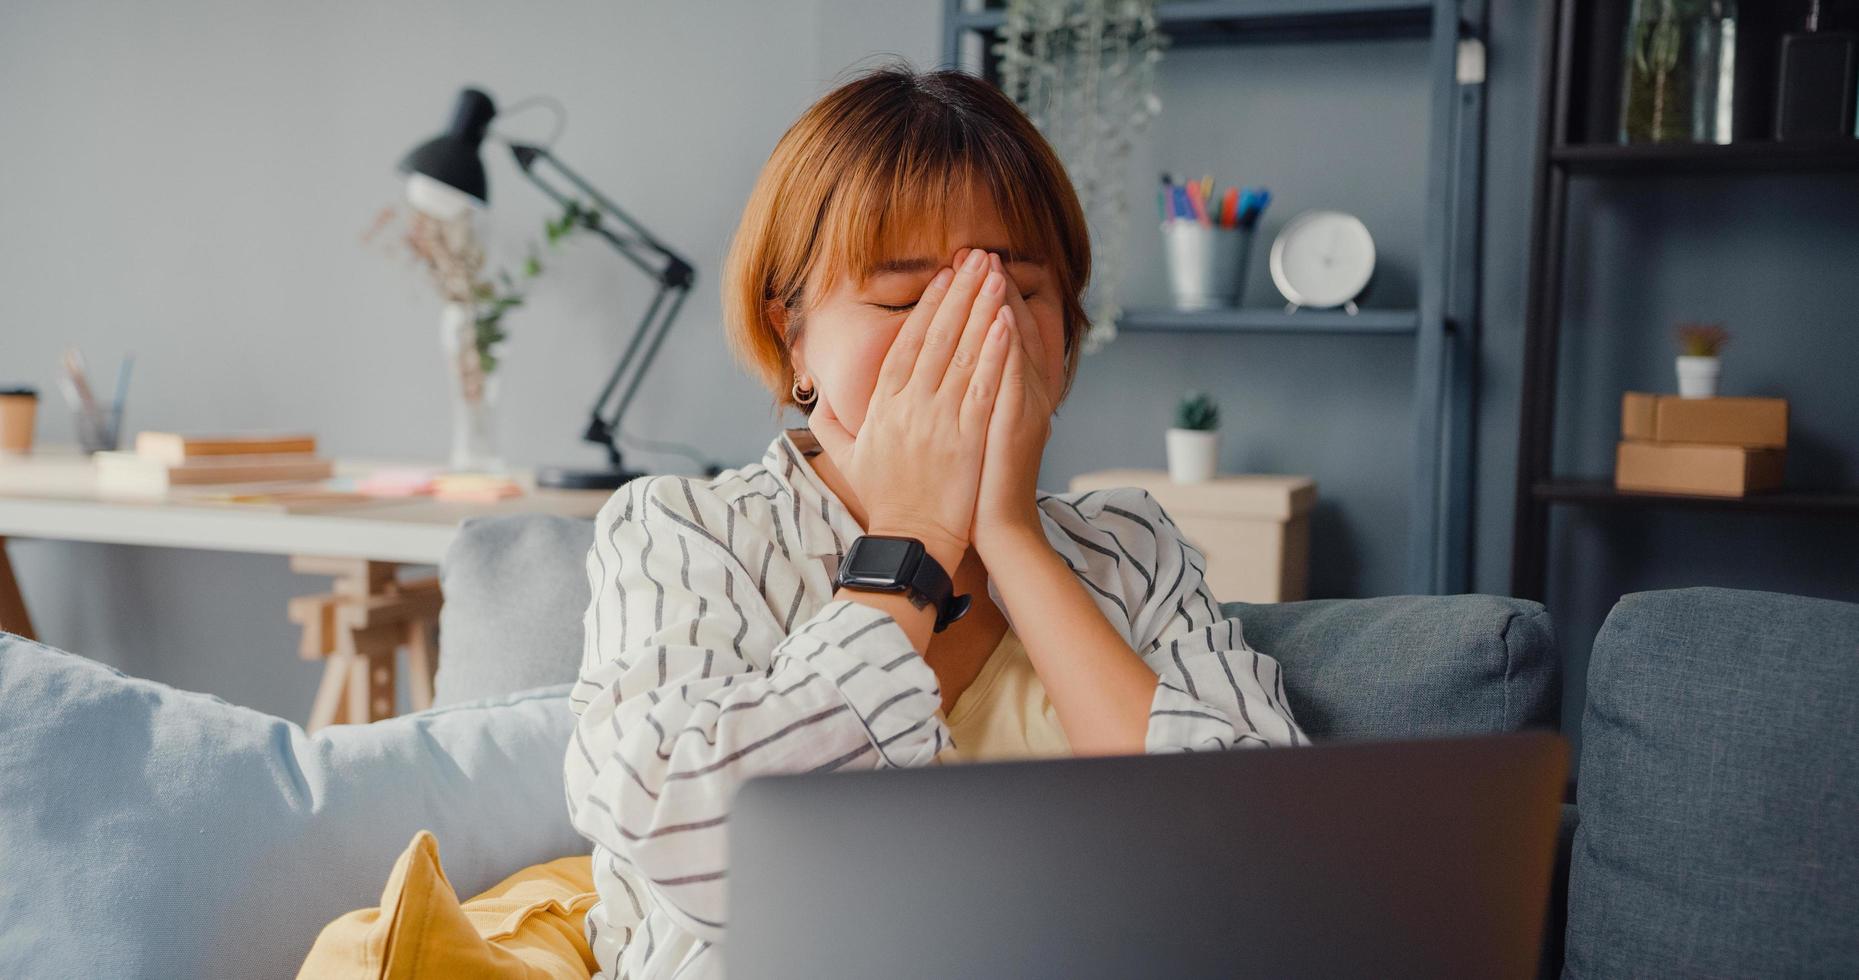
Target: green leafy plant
<point>452,255</point>
<point>494,302</point>
<point>1701,339</point>
<point>1197,411</point>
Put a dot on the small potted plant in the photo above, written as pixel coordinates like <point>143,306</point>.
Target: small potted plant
<point>1194,442</point>
<point>1698,363</point>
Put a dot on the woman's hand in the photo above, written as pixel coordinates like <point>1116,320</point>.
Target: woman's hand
<point>915,465</point>
<point>1007,502</point>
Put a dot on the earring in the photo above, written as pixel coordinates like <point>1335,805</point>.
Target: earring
<point>804,397</point>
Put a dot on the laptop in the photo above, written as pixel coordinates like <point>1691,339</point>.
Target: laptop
<point>1426,858</point>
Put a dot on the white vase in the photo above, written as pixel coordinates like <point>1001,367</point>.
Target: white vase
<point>1193,454</point>
<point>1697,376</point>
<point>474,393</point>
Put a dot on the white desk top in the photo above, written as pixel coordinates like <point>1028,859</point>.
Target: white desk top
<point>52,493</point>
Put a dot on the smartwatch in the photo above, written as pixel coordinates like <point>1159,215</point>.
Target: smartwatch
<point>883,563</point>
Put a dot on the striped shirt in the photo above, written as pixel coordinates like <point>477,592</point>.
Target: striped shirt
<point>714,652</point>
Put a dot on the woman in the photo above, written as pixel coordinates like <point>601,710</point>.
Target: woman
<point>908,273</point>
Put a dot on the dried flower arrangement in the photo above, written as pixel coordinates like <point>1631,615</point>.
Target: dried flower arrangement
<point>451,254</point>
<point>1701,339</point>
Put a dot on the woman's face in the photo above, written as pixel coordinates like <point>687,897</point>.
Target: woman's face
<point>848,330</point>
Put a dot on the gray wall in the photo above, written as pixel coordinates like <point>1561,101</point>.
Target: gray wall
<point>190,182</point>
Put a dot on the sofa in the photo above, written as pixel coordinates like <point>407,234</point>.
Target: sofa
<point>150,832</point>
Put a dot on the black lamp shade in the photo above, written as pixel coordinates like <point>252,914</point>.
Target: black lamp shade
<point>452,157</point>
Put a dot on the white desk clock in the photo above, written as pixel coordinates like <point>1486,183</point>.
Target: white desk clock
<point>1323,259</point>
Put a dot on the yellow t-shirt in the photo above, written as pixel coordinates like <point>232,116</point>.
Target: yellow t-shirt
<point>1004,713</point>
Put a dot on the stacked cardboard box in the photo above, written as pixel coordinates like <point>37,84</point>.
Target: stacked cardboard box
<point>1725,447</point>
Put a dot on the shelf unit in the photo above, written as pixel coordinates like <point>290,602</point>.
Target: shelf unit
<point>1601,493</point>
<point>1443,326</point>
<point>1400,322</point>
<point>1562,156</point>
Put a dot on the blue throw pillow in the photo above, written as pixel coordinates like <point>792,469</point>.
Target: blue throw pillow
<point>150,832</point>
<point>1719,789</point>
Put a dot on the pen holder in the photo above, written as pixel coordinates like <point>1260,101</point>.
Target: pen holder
<point>100,434</point>
<point>1206,264</point>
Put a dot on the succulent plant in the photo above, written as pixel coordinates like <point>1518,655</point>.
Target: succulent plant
<point>1701,339</point>
<point>1197,411</point>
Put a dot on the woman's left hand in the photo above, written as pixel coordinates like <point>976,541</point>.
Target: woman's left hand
<point>1021,422</point>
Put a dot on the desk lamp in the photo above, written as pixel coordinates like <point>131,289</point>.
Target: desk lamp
<point>445,178</point>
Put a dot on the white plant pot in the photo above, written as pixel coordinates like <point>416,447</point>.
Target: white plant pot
<point>1193,455</point>
<point>1697,376</point>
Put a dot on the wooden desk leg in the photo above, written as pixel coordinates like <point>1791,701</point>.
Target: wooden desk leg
<point>13,616</point>
<point>422,661</point>
<point>331,706</point>
<point>357,629</point>
<point>371,672</point>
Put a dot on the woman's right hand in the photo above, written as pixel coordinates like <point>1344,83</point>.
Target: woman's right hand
<point>916,462</point>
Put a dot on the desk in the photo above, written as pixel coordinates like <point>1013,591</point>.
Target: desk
<point>356,628</point>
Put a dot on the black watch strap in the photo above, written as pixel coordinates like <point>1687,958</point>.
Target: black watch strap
<point>887,563</point>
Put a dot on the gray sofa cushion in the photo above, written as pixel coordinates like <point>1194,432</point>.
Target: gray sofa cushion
<point>515,590</point>
<point>1410,666</point>
<point>1719,789</point>
<point>1394,667</point>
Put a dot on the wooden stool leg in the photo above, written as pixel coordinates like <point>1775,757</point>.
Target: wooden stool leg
<point>13,617</point>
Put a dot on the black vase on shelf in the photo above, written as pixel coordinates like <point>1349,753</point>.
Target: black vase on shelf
<point>1818,94</point>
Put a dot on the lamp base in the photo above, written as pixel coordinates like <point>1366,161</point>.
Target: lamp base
<point>566,478</point>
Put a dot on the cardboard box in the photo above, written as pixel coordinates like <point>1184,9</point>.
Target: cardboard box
<point>1753,422</point>
<point>1254,531</point>
<point>1719,471</point>
<point>1637,416</point>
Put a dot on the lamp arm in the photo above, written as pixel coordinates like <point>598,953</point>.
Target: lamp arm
<point>526,157</point>
<point>675,277</point>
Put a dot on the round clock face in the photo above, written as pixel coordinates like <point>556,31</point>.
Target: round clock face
<point>1322,258</point>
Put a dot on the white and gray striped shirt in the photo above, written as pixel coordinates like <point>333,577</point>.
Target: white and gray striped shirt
<point>715,652</point>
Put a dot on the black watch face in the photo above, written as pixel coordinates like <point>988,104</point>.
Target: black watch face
<point>876,561</point>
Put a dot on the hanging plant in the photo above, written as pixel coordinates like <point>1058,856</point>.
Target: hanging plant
<point>1084,72</point>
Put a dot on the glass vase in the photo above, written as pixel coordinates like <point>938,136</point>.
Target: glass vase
<point>1679,72</point>
<point>474,394</point>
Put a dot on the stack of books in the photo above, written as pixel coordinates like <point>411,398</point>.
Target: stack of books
<point>1722,447</point>
<point>163,460</point>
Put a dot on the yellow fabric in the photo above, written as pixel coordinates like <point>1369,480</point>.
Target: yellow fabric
<point>1004,713</point>
<point>528,925</point>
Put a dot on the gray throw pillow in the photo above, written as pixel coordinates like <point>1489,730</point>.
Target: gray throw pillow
<point>515,591</point>
<point>1410,666</point>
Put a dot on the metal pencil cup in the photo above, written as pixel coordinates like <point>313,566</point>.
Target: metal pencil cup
<point>100,434</point>
<point>1206,264</point>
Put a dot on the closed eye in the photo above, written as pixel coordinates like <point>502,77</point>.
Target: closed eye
<point>888,308</point>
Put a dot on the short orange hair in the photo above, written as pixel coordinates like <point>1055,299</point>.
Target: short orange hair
<point>869,166</point>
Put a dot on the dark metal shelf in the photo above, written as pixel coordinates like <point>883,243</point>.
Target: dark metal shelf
<point>1653,159</point>
<point>1600,493</point>
<point>1214,22</point>
<point>1269,320</point>
<point>1438,527</point>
